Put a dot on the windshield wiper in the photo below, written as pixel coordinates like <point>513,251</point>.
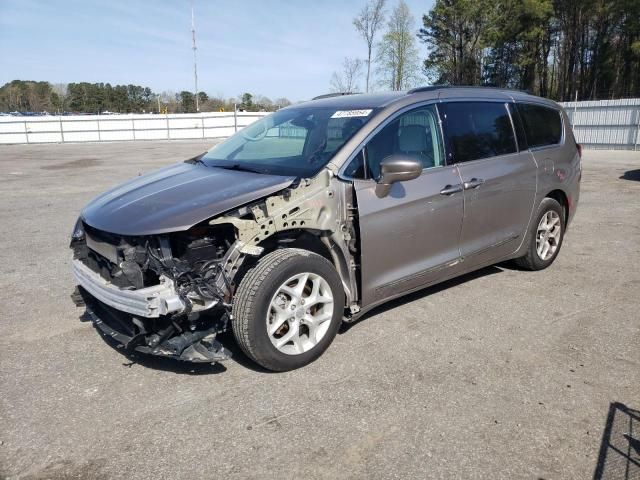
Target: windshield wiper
<point>196,159</point>
<point>238,167</point>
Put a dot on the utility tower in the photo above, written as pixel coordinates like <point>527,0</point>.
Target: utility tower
<point>195,62</point>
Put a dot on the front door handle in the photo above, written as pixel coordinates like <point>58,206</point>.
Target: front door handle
<point>473,183</point>
<point>451,189</point>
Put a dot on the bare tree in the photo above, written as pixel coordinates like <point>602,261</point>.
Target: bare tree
<point>346,80</point>
<point>262,103</point>
<point>60,89</point>
<point>397,53</point>
<point>367,24</point>
<point>282,102</point>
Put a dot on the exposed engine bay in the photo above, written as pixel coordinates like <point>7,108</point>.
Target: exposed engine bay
<point>190,259</point>
<point>199,269</point>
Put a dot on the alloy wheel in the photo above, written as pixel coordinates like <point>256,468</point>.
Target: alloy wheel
<point>300,313</point>
<point>548,235</point>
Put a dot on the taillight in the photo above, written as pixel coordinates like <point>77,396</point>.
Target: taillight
<point>579,147</point>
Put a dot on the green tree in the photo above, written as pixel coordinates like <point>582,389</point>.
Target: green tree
<point>202,97</point>
<point>147,96</point>
<point>187,101</point>
<point>453,31</point>
<point>519,40</point>
<point>397,52</point>
<point>554,48</point>
<point>19,95</point>
<point>120,99</point>
<point>368,23</point>
<point>247,102</point>
<point>75,100</point>
<point>135,97</point>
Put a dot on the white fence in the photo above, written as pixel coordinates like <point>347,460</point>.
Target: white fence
<point>606,124</point>
<point>110,128</point>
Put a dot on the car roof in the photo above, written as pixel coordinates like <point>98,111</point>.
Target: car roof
<point>435,92</point>
<point>353,100</point>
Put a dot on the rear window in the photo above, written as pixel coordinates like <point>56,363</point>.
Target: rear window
<point>476,130</point>
<point>542,125</point>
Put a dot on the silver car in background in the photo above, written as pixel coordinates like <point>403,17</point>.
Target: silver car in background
<point>321,211</point>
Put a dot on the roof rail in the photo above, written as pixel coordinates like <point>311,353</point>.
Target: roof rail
<point>428,88</point>
<point>431,88</point>
<point>339,94</point>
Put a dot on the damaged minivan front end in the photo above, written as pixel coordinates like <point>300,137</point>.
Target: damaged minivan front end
<point>170,293</point>
<point>149,293</point>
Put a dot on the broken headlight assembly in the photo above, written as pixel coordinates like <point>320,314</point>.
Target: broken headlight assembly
<point>78,231</point>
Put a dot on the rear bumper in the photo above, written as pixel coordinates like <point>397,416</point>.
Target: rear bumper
<point>574,200</point>
<point>150,302</point>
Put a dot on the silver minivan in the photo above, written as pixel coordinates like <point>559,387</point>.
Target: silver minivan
<point>321,211</point>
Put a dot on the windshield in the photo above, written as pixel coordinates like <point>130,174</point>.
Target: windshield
<point>294,141</point>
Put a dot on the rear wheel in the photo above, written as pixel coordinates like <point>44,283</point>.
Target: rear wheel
<point>545,237</point>
<point>287,309</point>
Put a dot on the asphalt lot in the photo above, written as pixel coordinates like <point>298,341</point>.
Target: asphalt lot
<point>499,374</point>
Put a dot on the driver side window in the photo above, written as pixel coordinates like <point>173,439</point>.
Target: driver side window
<point>415,134</point>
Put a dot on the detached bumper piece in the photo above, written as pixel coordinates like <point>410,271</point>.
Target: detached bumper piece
<point>147,302</point>
<point>161,337</point>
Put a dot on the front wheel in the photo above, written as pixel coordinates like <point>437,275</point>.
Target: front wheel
<point>287,309</point>
<point>545,237</point>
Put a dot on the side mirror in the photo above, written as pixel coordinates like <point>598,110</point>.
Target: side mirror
<point>396,168</point>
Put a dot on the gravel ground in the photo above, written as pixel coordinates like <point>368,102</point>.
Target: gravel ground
<point>498,374</point>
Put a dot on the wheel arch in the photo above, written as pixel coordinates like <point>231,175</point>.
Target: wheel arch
<point>561,197</point>
<point>315,241</point>
<point>304,239</point>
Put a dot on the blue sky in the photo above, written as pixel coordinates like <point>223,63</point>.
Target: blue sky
<point>275,48</point>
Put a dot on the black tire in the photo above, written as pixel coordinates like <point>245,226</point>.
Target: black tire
<point>253,297</point>
<point>531,260</point>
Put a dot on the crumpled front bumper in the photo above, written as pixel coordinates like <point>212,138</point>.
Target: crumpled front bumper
<point>197,346</point>
<point>150,302</point>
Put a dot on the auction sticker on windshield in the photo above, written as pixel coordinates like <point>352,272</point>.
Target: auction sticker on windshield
<point>351,113</point>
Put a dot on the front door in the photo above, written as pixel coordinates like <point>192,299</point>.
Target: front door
<point>499,181</point>
<point>410,237</point>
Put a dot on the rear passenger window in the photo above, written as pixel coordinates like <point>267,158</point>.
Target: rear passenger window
<point>476,130</point>
<point>542,125</point>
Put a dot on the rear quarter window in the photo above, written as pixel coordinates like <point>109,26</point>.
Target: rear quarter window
<point>542,125</point>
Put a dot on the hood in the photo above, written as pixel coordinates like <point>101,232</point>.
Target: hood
<point>176,198</point>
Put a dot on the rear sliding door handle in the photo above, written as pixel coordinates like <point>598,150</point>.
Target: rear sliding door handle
<point>473,183</point>
<point>451,189</point>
